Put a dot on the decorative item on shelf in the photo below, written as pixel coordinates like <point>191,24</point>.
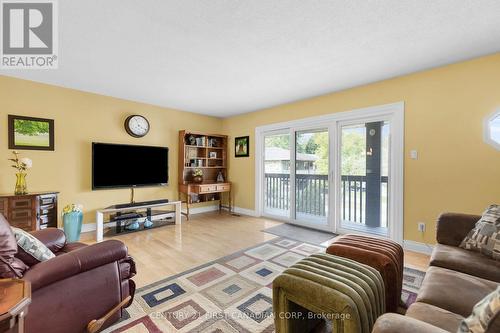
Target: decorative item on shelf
<point>198,176</point>
<point>133,225</point>
<point>212,142</point>
<point>242,146</point>
<point>213,154</point>
<point>220,177</point>
<point>72,222</point>
<point>21,165</point>
<point>192,153</point>
<point>30,133</point>
<point>148,224</point>
<point>191,140</point>
<point>195,197</point>
<point>200,141</point>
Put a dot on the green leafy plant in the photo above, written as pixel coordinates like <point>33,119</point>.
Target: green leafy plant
<point>197,173</point>
<point>20,164</point>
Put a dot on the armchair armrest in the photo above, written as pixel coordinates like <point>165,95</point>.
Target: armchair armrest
<point>73,263</point>
<point>396,323</point>
<point>453,227</point>
<point>53,238</point>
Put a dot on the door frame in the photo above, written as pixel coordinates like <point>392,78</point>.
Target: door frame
<point>393,112</point>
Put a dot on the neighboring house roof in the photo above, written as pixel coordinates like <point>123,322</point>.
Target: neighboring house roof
<point>280,154</point>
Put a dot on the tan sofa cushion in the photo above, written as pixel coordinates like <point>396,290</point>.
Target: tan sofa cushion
<point>433,315</point>
<point>465,261</point>
<point>453,291</point>
<point>395,323</point>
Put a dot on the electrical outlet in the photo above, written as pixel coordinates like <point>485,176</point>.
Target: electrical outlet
<point>421,226</point>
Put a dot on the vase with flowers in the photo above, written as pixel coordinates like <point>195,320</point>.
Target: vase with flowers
<point>72,222</point>
<point>21,165</point>
<point>198,176</point>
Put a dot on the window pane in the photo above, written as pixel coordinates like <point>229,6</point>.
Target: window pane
<point>277,174</point>
<point>364,176</point>
<point>311,176</point>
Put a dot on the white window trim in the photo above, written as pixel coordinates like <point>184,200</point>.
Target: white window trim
<point>392,111</point>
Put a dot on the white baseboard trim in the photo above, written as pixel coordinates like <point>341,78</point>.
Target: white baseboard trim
<point>417,247</point>
<point>244,211</point>
<point>88,227</point>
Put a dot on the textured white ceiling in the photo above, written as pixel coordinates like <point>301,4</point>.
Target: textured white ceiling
<point>223,57</point>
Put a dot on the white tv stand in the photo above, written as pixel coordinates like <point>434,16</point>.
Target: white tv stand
<point>100,214</point>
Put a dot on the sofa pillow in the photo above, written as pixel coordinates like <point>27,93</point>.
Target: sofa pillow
<point>485,315</point>
<point>10,266</point>
<point>30,250</point>
<point>485,237</point>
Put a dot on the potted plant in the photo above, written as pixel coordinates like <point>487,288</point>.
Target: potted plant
<point>197,175</point>
<point>72,222</point>
<point>21,165</point>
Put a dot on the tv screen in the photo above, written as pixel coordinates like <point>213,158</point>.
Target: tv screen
<point>115,165</point>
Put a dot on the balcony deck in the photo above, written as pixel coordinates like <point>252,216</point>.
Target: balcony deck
<point>312,196</point>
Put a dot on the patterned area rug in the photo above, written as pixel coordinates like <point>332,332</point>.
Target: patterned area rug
<point>231,294</point>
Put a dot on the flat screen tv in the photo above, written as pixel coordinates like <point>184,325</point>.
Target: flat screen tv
<point>116,165</point>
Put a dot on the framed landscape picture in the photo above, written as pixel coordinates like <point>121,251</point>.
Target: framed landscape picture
<point>31,133</point>
<point>242,146</point>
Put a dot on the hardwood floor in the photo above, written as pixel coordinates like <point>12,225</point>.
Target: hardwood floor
<point>166,251</point>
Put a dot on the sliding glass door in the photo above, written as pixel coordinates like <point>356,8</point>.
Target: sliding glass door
<point>296,181</point>
<point>342,174</point>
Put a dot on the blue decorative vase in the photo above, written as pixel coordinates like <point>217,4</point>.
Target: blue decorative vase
<point>148,224</point>
<point>132,226</point>
<point>73,226</point>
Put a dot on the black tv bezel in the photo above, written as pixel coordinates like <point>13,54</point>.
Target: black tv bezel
<point>128,186</point>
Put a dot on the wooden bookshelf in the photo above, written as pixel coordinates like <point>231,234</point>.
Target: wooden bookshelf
<point>207,152</point>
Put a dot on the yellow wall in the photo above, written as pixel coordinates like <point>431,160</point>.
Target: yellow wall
<point>81,118</point>
<point>444,113</point>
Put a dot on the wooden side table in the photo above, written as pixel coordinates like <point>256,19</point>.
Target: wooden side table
<point>15,296</point>
<point>185,190</point>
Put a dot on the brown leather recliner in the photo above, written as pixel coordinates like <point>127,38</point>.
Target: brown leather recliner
<point>82,283</point>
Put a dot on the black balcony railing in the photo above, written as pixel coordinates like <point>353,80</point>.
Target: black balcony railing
<point>312,195</point>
